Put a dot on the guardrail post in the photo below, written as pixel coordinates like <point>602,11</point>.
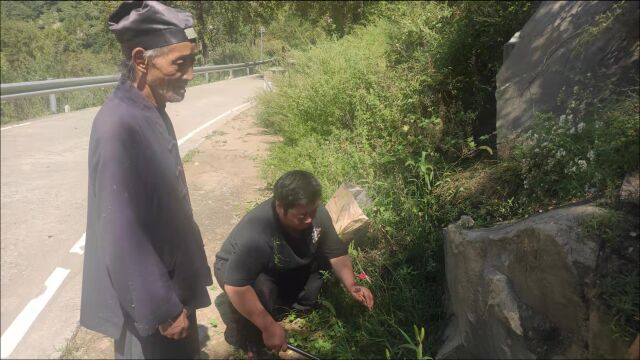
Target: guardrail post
<point>53,104</point>
<point>230,73</point>
<point>206,76</point>
<point>247,71</point>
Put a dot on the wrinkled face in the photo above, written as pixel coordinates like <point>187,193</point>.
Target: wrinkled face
<point>299,217</point>
<point>170,72</point>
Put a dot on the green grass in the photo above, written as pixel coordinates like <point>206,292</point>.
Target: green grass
<point>69,351</point>
<point>213,322</point>
<point>188,157</point>
<point>621,292</point>
<point>617,277</point>
<point>331,135</point>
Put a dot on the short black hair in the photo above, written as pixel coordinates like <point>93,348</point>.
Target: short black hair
<point>297,187</point>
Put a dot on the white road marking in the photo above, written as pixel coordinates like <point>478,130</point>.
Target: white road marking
<point>78,248</point>
<point>210,122</point>
<point>14,126</point>
<point>28,315</point>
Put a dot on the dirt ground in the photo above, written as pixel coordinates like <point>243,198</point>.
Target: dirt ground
<point>224,182</point>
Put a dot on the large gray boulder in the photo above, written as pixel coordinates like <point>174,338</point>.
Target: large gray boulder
<point>630,190</point>
<point>566,43</point>
<point>520,290</point>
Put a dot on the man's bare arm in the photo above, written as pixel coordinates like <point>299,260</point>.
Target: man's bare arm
<point>343,268</point>
<point>246,301</point>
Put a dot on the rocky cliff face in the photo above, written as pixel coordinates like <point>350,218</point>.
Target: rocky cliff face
<point>526,290</point>
<point>565,44</point>
<point>541,287</point>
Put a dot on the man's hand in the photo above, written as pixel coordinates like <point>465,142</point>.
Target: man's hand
<point>362,295</point>
<point>274,337</point>
<point>343,268</point>
<point>246,301</point>
<point>177,329</point>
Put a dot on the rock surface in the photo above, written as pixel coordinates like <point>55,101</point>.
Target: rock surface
<point>563,44</point>
<point>630,190</point>
<point>520,290</point>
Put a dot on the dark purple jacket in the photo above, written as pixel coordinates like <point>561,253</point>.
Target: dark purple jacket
<point>144,257</point>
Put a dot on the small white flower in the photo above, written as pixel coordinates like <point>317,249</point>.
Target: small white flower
<point>315,235</point>
<point>561,122</point>
<point>582,164</point>
<point>591,155</point>
<point>570,117</point>
<point>572,130</point>
<point>580,127</point>
<point>560,153</point>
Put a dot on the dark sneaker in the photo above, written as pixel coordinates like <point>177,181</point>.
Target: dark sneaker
<point>304,309</point>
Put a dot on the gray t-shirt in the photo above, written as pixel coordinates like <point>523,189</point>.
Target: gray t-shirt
<point>259,243</point>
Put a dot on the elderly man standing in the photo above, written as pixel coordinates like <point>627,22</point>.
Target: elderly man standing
<point>145,269</point>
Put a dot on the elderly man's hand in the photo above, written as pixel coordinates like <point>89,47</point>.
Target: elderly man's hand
<point>177,329</point>
<point>362,295</point>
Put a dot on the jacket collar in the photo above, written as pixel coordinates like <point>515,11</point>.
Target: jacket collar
<point>126,92</point>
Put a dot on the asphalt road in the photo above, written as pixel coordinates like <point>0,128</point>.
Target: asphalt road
<point>43,212</point>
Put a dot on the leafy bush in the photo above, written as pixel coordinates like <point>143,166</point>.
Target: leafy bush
<point>583,154</point>
<point>454,49</point>
<point>381,107</point>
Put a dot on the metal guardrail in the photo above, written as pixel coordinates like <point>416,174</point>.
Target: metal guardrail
<point>52,87</point>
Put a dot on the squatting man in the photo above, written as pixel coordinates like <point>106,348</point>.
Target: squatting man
<point>272,261</point>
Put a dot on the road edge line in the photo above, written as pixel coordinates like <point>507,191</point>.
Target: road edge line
<point>211,122</point>
<point>21,324</point>
<point>15,126</point>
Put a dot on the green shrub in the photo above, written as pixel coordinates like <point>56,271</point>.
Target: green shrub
<point>580,155</point>
<point>454,50</point>
<point>371,108</point>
